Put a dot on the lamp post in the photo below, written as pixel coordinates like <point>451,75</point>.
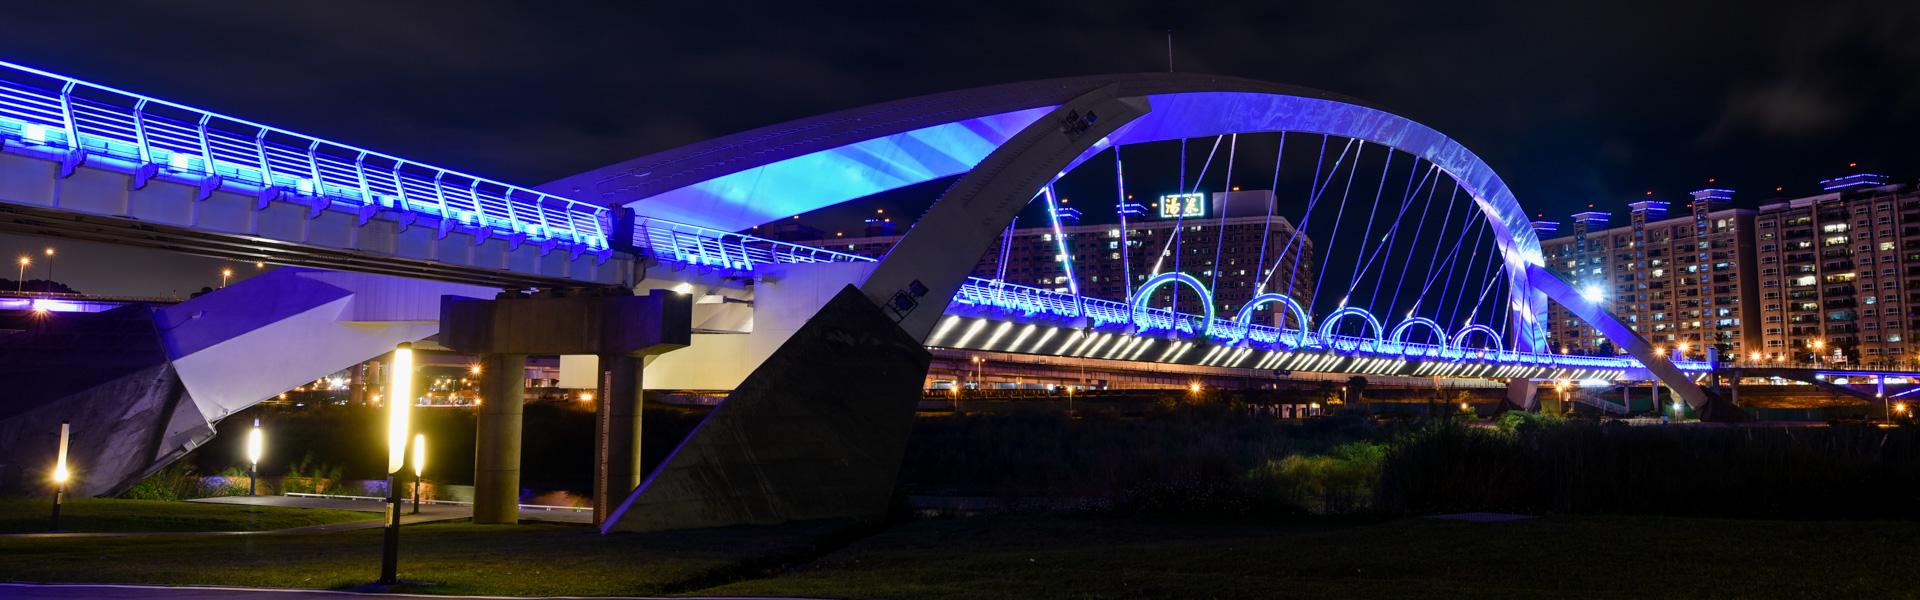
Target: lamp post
<point>225,274</point>
<point>399,403</point>
<point>256,442</point>
<point>419,466</point>
<point>20,283</point>
<point>49,265</point>
<point>60,476</point>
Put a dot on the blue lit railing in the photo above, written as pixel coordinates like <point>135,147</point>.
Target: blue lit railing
<point>705,246</point>
<point>84,122</point>
<point>1032,302</point>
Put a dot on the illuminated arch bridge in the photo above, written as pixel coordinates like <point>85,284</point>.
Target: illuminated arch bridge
<point>687,207</point>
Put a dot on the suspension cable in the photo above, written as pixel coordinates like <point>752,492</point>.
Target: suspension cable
<point>1220,231</point>
<point>1266,227</point>
<point>1434,266</point>
<point>1393,234</point>
<point>1413,247</point>
<point>1126,260</point>
<point>1326,258</point>
<point>1367,234</point>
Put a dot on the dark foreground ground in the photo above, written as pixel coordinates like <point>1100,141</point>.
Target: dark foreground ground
<point>1045,557</point>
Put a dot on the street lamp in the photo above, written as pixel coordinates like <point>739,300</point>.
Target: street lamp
<point>20,283</point>
<point>256,442</point>
<point>419,467</point>
<point>399,403</point>
<point>60,476</point>
<point>225,274</point>
<point>49,264</point>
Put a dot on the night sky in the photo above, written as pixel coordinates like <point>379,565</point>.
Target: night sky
<point>1571,105</point>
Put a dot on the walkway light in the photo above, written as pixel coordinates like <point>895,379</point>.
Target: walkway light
<point>399,405</point>
<point>419,466</point>
<point>399,401</point>
<point>60,476</point>
<point>256,442</point>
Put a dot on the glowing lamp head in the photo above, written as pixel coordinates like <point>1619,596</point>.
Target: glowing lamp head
<point>473,370</point>
<point>1193,387</point>
<point>1464,407</point>
<point>24,261</point>
<point>419,453</point>
<point>256,443</point>
<point>1593,293</point>
<point>60,460</point>
<point>399,405</point>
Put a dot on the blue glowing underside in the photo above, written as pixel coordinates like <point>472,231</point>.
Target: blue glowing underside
<point>804,183</point>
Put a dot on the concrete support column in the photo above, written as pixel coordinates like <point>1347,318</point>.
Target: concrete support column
<point>616,433</point>
<point>496,461</point>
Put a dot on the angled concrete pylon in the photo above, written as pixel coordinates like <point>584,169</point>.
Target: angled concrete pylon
<point>143,385</point>
<point>818,431</point>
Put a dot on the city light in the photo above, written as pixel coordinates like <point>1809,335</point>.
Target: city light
<point>586,396</point>
<point>400,403</point>
<point>1464,407</point>
<point>400,394</point>
<point>1593,293</point>
<point>1193,388</point>
<point>256,444</point>
<point>60,473</point>
<point>60,476</point>
<point>419,467</point>
<point>473,370</point>
<point>419,453</point>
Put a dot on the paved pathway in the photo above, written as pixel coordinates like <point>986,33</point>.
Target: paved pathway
<point>441,511</point>
<point>30,591</point>
<point>429,513</point>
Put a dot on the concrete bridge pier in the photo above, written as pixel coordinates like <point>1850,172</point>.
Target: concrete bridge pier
<point>496,464</point>
<point>616,450</point>
<point>620,329</point>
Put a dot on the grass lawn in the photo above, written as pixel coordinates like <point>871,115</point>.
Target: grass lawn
<point>1048,557</point>
<point>32,515</point>
<point>1056,557</point>
<point>442,558</point>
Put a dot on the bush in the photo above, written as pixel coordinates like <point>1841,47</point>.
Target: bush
<point>1341,481</point>
<point>1747,472</point>
<point>175,482</point>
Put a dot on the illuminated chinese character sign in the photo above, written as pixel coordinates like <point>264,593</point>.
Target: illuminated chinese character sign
<point>1183,205</point>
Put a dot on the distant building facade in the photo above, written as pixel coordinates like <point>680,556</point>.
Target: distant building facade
<point>1831,274</point>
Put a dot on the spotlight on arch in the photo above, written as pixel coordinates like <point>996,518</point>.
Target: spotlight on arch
<point>1593,293</point>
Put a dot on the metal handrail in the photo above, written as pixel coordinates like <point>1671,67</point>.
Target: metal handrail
<point>39,109</point>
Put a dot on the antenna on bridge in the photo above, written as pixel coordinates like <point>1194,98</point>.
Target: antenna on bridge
<point>1169,50</point>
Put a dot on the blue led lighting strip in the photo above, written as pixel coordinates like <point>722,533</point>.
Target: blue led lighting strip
<point>81,121</point>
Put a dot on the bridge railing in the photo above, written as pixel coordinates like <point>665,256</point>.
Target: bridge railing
<point>83,121</point>
<point>697,245</point>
